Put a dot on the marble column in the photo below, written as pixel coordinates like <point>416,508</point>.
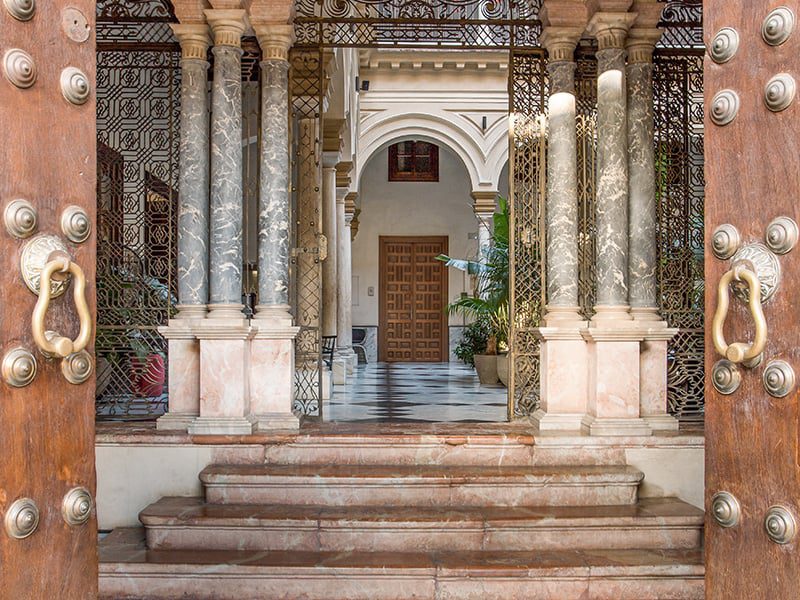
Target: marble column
<point>330,277</point>
<point>344,291</point>
<point>225,275</point>
<point>184,350</point>
<point>564,358</point>
<point>643,292</point>
<point>612,167</point>
<point>272,358</point>
<point>225,335</point>
<point>484,204</point>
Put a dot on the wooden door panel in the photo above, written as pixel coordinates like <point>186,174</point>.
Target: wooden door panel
<point>48,157</point>
<point>752,167</point>
<point>413,325</point>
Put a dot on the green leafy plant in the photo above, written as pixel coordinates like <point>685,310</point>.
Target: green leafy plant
<point>490,301</point>
<point>473,341</point>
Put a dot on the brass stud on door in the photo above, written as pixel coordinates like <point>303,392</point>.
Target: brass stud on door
<point>75,224</point>
<point>19,367</point>
<point>779,92</point>
<point>725,377</point>
<point>22,518</point>
<point>778,26</point>
<point>20,218</point>
<point>75,86</point>
<point>782,235</point>
<point>780,525</point>
<point>779,379</point>
<point>77,367</point>
<point>724,107</point>
<point>724,45</point>
<point>725,241</point>
<point>76,508</point>
<point>19,68</point>
<point>21,10</point>
<point>725,509</point>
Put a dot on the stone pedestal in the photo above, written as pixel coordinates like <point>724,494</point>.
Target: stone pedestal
<point>564,379</point>
<point>184,375</point>
<point>224,378</point>
<point>272,375</point>
<point>614,382</point>
<point>653,378</point>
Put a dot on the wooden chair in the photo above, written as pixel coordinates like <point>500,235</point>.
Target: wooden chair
<point>328,346</point>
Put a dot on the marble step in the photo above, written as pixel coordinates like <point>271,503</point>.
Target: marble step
<point>420,485</point>
<point>187,523</point>
<point>128,570</point>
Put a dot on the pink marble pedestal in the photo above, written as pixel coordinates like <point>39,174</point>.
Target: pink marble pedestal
<point>614,378</point>
<point>272,375</point>
<point>184,375</point>
<point>653,378</point>
<point>224,378</point>
<point>564,384</point>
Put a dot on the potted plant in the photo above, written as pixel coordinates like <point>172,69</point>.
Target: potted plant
<point>472,350</point>
<point>490,303</point>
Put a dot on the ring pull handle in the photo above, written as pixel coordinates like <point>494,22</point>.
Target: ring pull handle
<point>739,352</point>
<point>51,343</point>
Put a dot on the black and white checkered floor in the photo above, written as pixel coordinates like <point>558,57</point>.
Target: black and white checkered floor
<point>408,392</point>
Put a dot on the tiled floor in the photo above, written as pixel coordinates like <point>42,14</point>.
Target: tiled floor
<point>408,392</point>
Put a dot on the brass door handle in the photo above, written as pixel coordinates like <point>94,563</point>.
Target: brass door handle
<point>739,352</point>
<point>53,344</point>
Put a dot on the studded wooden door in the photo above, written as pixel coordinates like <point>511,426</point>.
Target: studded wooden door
<point>752,141</point>
<point>48,542</point>
<point>413,297</point>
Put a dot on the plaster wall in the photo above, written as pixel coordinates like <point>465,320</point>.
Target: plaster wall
<point>411,209</point>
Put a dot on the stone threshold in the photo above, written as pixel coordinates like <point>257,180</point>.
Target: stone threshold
<point>690,435</point>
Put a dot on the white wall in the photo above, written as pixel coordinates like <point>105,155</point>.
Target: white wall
<point>411,208</point>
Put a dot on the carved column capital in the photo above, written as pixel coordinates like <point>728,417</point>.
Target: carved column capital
<point>194,39</point>
<point>560,42</point>
<point>485,201</point>
<point>610,29</point>
<point>228,25</point>
<point>641,43</point>
<point>275,39</point>
<point>343,170</point>
<point>350,204</point>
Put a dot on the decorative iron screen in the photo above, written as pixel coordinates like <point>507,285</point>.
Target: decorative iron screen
<point>138,104</point>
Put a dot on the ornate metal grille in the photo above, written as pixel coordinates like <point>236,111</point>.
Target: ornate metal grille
<point>308,82</point>
<point>450,24</point>
<point>138,97</point>
<point>527,186</point>
<point>678,83</point>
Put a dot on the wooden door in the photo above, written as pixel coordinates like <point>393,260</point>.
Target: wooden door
<point>413,297</point>
<point>753,177</point>
<point>48,542</point>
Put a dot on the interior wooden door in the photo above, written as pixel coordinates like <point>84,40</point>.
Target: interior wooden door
<point>752,154</point>
<point>413,297</point>
<point>48,542</point>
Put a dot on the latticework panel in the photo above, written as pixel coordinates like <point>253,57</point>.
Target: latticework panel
<point>678,83</point>
<point>307,81</point>
<point>527,171</point>
<point>447,24</point>
<point>138,104</point>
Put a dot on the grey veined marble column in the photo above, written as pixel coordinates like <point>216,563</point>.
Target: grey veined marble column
<point>562,183</point>
<point>643,293</point>
<point>226,165</point>
<point>612,168</point>
<point>274,199</point>
<point>193,200</point>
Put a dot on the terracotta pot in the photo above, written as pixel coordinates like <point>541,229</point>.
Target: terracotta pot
<point>502,368</point>
<point>148,376</point>
<point>486,366</point>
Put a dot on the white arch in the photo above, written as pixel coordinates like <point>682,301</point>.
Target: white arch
<point>475,150</point>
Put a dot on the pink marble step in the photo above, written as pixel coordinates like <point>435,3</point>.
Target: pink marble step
<point>187,523</point>
<point>129,571</point>
<point>420,485</point>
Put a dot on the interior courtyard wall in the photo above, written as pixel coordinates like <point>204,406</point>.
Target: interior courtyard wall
<point>410,209</point>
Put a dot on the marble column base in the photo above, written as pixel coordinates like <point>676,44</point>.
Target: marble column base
<point>611,316</point>
<point>648,315</point>
<point>232,313</point>
<point>653,376</point>
<point>564,378</point>
<point>339,371</point>
<point>272,375</point>
<point>184,375</point>
<point>224,378</point>
<point>613,378</point>
<point>349,357</point>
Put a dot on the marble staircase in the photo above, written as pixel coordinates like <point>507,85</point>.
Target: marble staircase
<point>412,516</point>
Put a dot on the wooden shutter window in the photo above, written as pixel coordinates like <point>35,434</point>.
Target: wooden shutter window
<point>413,161</point>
